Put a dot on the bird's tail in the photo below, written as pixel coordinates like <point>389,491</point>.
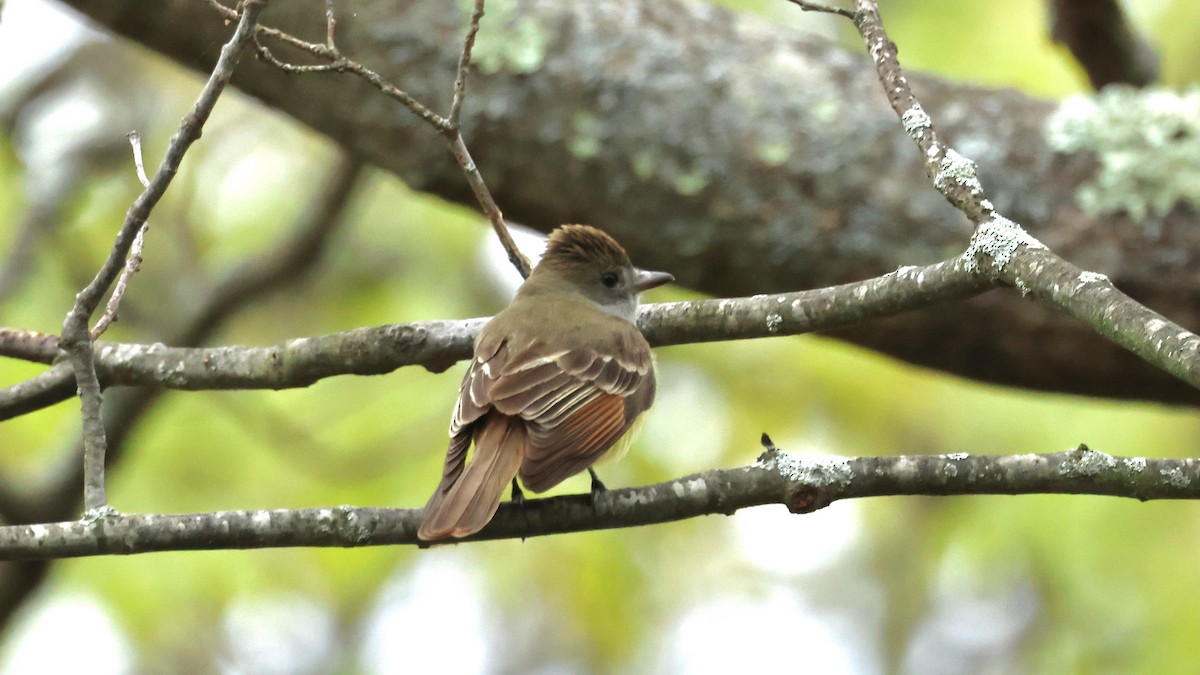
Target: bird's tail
<point>467,499</point>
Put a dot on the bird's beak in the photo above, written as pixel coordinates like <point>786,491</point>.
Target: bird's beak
<point>644,280</point>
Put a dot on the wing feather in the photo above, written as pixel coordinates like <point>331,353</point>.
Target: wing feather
<point>582,412</point>
<point>475,393</point>
<point>555,454</point>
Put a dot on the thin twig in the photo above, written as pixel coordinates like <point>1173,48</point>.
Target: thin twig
<point>286,263</point>
<point>484,196</point>
<point>134,261</point>
<point>135,142</point>
<point>463,156</point>
<point>189,131</point>
<point>132,264</point>
<point>336,63</point>
<point>447,127</point>
<point>817,7</point>
<point>464,64</point>
<point>76,339</point>
<point>330,23</point>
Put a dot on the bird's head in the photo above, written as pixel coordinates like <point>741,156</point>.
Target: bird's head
<point>582,259</point>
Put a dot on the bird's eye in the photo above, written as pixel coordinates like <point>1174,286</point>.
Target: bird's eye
<point>609,279</point>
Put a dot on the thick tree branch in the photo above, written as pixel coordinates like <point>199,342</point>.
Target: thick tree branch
<point>802,484</point>
<point>776,182</point>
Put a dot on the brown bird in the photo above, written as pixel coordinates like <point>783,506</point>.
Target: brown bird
<point>557,379</point>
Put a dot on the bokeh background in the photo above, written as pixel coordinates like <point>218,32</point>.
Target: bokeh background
<point>917,585</point>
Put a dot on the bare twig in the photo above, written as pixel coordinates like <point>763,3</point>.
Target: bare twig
<point>803,484</point>
<point>134,261</point>
<point>132,264</point>
<point>447,127</point>
<point>463,156</point>
<point>484,196</point>
<point>76,339</point>
<point>135,142</point>
<point>330,23</point>
<point>336,63</point>
<point>817,7</point>
<point>250,282</point>
<point>464,64</point>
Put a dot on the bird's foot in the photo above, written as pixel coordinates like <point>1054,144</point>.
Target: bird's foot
<point>597,484</point>
<point>518,496</point>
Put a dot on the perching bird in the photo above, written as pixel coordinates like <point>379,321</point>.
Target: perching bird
<point>557,379</point>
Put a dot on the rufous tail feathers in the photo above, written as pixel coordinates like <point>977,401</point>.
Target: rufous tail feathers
<point>466,500</point>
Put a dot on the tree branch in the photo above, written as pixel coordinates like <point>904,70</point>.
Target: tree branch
<point>1004,250</point>
<point>437,345</point>
<point>803,484</point>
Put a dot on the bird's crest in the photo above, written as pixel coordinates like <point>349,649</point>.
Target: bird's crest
<point>583,244</point>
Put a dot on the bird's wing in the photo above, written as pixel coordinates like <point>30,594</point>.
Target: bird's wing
<point>475,393</point>
<point>577,402</point>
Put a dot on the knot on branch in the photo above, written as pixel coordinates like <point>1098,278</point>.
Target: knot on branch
<point>993,246</point>
<point>812,483</point>
<point>955,172</point>
<point>346,523</point>
<point>1083,462</point>
<point>99,515</point>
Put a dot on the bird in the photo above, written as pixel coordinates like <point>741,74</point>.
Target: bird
<point>556,381</point>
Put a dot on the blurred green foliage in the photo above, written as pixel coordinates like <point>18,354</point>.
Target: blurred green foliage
<point>1088,584</point>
